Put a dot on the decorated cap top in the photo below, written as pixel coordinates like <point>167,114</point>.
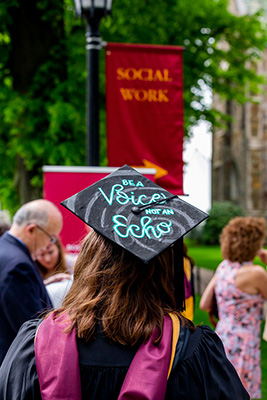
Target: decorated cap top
<point>134,212</point>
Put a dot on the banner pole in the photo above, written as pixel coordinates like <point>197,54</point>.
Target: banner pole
<point>93,45</point>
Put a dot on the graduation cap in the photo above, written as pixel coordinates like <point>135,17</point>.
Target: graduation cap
<point>134,212</point>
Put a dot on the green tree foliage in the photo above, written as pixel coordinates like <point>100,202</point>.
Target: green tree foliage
<point>218,46</point>
<point>219,216</point>
<point>41,107</point>
<point>43,74</point>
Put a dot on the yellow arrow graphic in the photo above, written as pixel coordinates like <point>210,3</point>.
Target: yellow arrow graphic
<point>160,172</point>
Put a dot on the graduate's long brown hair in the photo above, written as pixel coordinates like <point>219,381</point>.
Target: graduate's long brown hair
<point>114,287</point>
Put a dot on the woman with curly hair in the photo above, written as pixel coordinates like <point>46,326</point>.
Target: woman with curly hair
<point>240,288</point>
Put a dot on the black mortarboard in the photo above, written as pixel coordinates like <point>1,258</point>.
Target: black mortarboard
<point>134,212</point>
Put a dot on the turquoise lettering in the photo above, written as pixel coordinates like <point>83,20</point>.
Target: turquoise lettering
<point>145,229</point>
<point>153,210</point>
<point>123,198</point>
<point>167,211</point>
<point>130,182</point>
<point>112,193</point>
<point>119,224</point>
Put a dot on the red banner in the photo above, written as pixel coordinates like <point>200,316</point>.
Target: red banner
<point>144,91</point>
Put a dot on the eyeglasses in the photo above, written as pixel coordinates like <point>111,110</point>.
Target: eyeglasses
<point>52,238</point>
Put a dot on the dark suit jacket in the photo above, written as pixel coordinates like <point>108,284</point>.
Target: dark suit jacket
<point>22,292</point>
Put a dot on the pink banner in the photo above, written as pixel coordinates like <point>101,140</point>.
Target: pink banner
<point>63,182</point>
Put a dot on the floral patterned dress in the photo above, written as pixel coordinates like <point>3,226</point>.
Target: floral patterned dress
<point>239,326</point>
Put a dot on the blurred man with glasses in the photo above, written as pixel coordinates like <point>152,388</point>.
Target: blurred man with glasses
<point>22,293</point>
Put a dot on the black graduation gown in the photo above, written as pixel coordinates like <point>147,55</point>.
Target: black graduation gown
<point>200,370</point>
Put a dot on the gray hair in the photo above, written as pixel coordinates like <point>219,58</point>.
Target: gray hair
<point>28,213</point>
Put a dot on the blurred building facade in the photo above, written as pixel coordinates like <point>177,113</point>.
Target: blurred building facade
<point>239,160</point>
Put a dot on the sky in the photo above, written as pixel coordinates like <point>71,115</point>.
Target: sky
<point>197,168</point>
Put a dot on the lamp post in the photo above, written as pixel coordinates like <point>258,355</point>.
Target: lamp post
<point>93,11</point>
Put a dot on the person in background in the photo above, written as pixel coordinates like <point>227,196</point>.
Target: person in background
<point>23,295</point>
<point>57,277</point>
<point>51,260</point>
<point>120,334</point>
<point>189,285</point>
<point>240,288</point>
<point>4,226</point>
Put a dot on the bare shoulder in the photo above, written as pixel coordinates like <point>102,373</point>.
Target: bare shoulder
<point>252,279</point>
<point>261,280</point>
<point>259,272</point>
<point>252,270</point>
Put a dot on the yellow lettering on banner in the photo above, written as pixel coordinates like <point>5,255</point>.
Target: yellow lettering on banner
<point>158,75</point>
<point>143,74</point>
<point>166,75</point>
<point>132,74</point>
<point>162,95</point>
<point>152,95</point>
<point>141,95</point>
<point>127,94</point>
<point>120,72</point>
